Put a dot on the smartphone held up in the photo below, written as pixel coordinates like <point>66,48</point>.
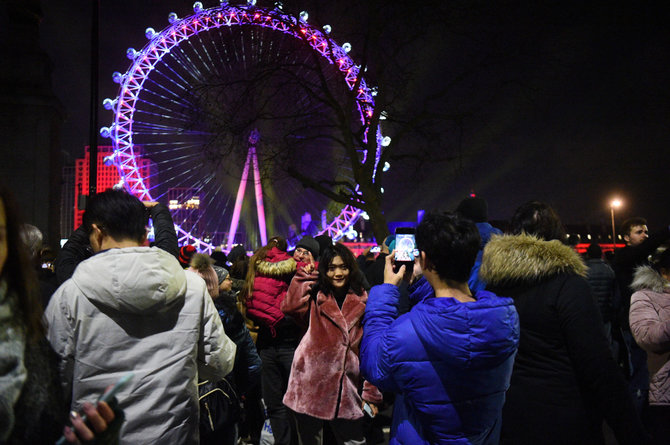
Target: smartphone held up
<point>405,248</point>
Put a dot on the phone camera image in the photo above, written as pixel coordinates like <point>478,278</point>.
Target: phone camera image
<point>404,247</point>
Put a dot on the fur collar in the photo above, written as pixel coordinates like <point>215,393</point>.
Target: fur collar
<point>526,258</point>
<point>278,269</point>
<point>647,278</point>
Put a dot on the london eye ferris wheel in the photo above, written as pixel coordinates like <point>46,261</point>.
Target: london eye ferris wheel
<point>230,92</point>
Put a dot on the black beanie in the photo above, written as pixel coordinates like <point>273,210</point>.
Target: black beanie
<point>473,208</point>
<point>309,243</point>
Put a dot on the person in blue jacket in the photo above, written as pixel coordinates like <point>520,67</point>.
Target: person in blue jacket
<point>449,359</point>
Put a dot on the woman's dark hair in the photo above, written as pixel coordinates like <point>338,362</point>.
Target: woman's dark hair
<point>539,219</point>
<point>240,266</point>
<point>451,243</point>
<point>356,277</point>
<point>120,214</point>
<point>19,274</point>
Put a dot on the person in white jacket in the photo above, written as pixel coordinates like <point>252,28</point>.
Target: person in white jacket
<point>131,308</point>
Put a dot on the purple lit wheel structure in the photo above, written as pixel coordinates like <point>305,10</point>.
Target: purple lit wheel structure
<point>149,110</point>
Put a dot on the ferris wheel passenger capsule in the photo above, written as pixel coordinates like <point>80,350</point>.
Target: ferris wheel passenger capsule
<point>117,77</point>
<point>327,29</point>
<point>150,33</point>
<point>172,17</point>
<point>279,5</point>
<point>105,132</point>
<point>119,185</point>
<point>108,103</point>
<point>131,53</point>
<point>109,160</point>
<point>386,141</point>
<point>197,7</point>
<point>251,2</point>
<point>304,16</point>
<point>346,47</point>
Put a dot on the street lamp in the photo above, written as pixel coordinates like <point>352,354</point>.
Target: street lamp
<point>616,203</point>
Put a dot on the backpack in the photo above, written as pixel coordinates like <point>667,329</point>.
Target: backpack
<point>219,405</point>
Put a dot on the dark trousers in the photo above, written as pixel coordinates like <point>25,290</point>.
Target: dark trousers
<point>277,360</point>
<point>639,375</point>
<point>656,419</point>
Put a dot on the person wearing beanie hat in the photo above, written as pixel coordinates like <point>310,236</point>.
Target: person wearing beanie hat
<point>224,279</point>
<point>236,252</point>
<point>324,242</point>
<point>185,254</point>
<point>474,208</point>
<point>202,265</point>
<point>220,258</point>
<point>307,250</point>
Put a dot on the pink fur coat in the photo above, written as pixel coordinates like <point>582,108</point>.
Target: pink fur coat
<point>326,363</point>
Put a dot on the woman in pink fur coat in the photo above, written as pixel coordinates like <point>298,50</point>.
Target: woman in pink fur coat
<point>325,375</point>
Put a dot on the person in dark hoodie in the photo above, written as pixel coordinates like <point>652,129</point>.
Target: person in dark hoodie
<point>565,379</point>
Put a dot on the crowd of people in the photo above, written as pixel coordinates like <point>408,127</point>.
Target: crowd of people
<point>485,338</point>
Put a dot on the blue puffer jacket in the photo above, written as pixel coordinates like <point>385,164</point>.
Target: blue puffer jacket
<point>449,363</point>
<point>486,231</point>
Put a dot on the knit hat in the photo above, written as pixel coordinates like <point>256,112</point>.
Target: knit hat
<point>324,242</point>
<point>236,252</point>
<point>473,208</point>
<point>221,273</point>
<point>309,243</point>
<point>202,265</point>
<point>220,258</point>
<point>185,255</point>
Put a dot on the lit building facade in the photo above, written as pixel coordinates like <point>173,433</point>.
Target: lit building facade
<point>186,209</point>
<point>108,176</point>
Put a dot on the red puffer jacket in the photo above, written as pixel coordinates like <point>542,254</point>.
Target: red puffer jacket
<point>273,275</point>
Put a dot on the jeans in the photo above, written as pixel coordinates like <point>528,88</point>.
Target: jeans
<point>277,360</point>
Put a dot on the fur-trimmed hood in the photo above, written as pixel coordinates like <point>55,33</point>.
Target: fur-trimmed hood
<point>647,278</point>
<point>526,258</point>
<point>277,263</point>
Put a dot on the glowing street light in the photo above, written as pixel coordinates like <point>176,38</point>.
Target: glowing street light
<point>615,203</point>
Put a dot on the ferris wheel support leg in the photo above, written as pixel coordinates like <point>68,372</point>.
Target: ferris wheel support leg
<point>238,203</point>
<point>260,208</point>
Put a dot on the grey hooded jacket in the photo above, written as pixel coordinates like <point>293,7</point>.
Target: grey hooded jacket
<point>136,310</point>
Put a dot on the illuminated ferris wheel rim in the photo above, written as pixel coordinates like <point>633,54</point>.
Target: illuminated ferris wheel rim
<point>160,44</point>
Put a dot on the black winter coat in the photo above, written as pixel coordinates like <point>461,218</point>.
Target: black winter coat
<point>565,380</point>
<point>604,287</point>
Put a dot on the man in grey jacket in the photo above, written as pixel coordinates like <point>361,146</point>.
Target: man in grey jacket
<point>131,308</point>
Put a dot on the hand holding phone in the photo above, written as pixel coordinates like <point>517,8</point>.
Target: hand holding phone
<point>105,397</point>
<point>369,410</point>
<point>405,247</point>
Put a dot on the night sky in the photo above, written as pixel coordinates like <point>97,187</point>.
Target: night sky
<point>588,120</point>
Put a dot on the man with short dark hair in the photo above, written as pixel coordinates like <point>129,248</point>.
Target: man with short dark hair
<point>639,245</point>
<point>131,308</point>
<point>449,359</point>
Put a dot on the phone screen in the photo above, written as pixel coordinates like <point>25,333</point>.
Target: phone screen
<point>404,247</point>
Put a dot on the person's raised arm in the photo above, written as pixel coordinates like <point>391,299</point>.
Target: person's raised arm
<point>296,301</point>
<point>164,233</point>
<point>76,249</point>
